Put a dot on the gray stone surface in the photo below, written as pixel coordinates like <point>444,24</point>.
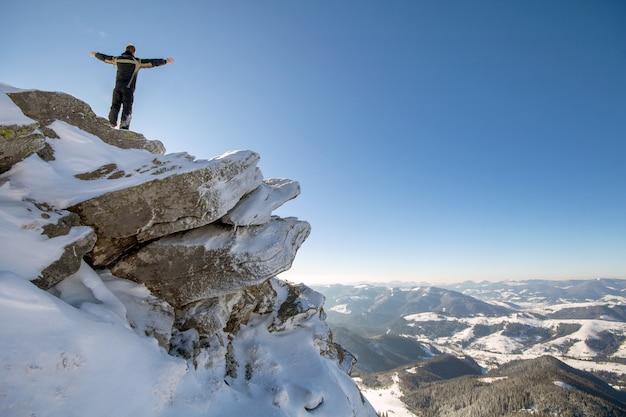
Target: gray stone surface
<point>45,107</point>
<point>18,143</point>
<point>214,259</point>
<point>165,206</point>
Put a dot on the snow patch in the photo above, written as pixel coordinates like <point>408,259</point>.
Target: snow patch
<point>341,309</point>
<point>491,380</point>
<point>562,385</point>
<point>386,400</point>
<point>10,113</point>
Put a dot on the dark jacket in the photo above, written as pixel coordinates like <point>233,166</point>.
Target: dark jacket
<point>128,66</point>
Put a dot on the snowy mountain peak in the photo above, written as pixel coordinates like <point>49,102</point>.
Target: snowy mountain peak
<point>134,282</point>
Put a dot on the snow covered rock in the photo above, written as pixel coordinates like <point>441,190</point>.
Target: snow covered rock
<point>257,207</point>
<point>287,363</point>
<point>17,142</point>
<point>215,259</point>
<point>166,205</point>
<point>53,239</point>
<point>19,136</point>
<point>189,318</point>
<point>299,305</point>
<point>45,107</point>
<point>146,314</point>
<point>226,312</point>
<point>73,252</point>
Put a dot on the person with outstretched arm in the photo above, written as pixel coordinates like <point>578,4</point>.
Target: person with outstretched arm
<point>123,94</point>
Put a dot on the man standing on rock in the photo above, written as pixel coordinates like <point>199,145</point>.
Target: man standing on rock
<point>123,94</point>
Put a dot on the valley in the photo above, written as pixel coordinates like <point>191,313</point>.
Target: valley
<point>407,338</point>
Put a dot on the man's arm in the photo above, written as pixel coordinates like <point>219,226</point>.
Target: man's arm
<point>150,63</point>
<point>102,57</point>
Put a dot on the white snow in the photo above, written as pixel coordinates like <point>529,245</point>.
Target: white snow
<point>341,309</point>
<point>562,385</point>
<point>497,343</point>
<point>386,399</point>
<point>58,360</point>
<point>428,316</point>
<point>489,380</point>
<point>608,300</point>
<point>21,224</point>
<point>10,114</point>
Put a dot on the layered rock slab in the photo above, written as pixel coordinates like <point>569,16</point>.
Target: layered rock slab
<point>215,259</point>
<point>19,135</point>
<point>164,206</point>
<point>18,142</point>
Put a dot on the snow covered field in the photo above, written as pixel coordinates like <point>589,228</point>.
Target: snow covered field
<point>497,348</point>
<point>387,399</point>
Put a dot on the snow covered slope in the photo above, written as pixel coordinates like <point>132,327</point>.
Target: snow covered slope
<point>59,360</point>
<point>88,343</point>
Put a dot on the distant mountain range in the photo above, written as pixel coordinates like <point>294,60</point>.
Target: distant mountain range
<point>512,332</point>
<point>530,293</point>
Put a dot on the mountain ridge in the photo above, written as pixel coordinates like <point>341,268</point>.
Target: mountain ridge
<point>580,328</point>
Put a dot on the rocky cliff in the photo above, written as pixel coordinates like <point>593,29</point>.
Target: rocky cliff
<point>182,251</point>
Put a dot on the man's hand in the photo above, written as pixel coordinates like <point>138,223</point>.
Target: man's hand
<point>169,60</point>
<point>92,53</point>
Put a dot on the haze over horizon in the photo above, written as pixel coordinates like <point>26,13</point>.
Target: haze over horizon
<point>434,141</point>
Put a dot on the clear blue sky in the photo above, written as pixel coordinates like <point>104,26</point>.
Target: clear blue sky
<point>433,140</point>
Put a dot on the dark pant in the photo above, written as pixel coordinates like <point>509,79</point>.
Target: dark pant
<point>122,97</point>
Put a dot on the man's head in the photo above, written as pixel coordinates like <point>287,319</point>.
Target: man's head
<point>130,48</point>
